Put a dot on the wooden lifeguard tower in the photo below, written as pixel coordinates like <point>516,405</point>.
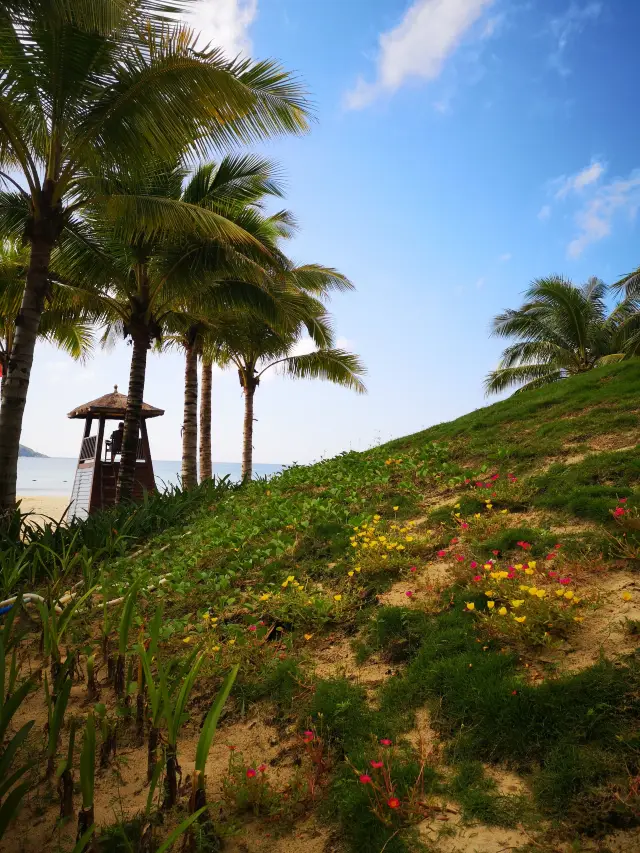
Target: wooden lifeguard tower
<point>94,487</point>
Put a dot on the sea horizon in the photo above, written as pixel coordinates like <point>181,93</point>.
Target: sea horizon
<point>52,476</point>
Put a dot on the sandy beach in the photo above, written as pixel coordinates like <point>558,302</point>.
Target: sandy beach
<point>44,507</point>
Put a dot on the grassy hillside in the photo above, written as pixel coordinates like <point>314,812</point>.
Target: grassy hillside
<point>436,638</point>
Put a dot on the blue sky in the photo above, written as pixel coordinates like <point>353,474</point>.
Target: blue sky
<point>462,148</point>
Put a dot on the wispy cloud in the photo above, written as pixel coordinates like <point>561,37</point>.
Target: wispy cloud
<point>224,23</point>
<point>504,258</point>
<point>418,47</point>
<point>563,28</point>
<point>545,212</point>
<point>591,174</point>
<point>620,196</point>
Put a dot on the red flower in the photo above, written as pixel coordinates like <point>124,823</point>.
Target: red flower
<point>479,485</point>
<point>408,593</point>
<point>253,628</point>
<point>495,553</point>
<point>618,512</point>
<point>514,692</point>
<point>262,768</point>
<point>385,741</point>
<point>250,773</point>
<point>496,477</point>
<point>460,558</point>
<point>477,578</point>
<point>553,574</point>
<point>622,500</point>
<point>308,736</point>
<point>565,581</point>
<point>524,545</point>
<point>393,802</point>
<point>442,553</point>
<point>473,565</point>
<point>466,482</point>
<point>377,764</point>
<point>413,569</point>
<point>557,547</point>
<point>454,541</point>
<point>231,748</point>
<point>365,779</point>
<point>511,575</point>
<point>549,556</point>
<point>464,525</point>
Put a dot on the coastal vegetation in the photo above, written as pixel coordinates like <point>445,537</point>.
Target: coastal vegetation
<point>435,643</point>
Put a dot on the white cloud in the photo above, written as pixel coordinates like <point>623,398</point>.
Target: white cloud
<point>480,283</point>
<point>567,25</point>
<point>595,218</point>
<point>582,179</point>
<point>224,23</point>
<point>418,46</point>
<point>504,258</point>
<point>544,213</point>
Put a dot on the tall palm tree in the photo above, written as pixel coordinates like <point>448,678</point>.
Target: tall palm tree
<point>254,346</point>
<point>151,279</point>
<point>68,325</point>
<point>561,330</point>
<point>84,85</point>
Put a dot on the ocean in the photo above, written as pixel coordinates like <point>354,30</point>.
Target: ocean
<point>54,476</point>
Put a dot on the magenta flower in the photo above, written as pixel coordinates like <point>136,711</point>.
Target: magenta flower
<point>442,553</point>
<point>477,578</point>
<point>565,581</point>
<point>385,741</point>
<point>460,558</point>
<point>377,764</point>
<point>553,574</point>
<point>455,540</point>
<point>365,778</point>
<point>622,500</point>
<point>464,525</point>
<point>262,768</point>
<point>408,593</point>
<point>413,569</point>
<point>473,565</point>
<point>253,628</point>
<point>619,512</point>
<point>250,773</point>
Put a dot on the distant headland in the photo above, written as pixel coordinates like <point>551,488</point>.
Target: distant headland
<point>27,451</point>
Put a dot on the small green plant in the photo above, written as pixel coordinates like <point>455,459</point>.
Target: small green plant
<point>154,692</point>
<point>56,708</point>
<point>126,620</point>
<point>54,628</point>
<point>65,777</point>
<point>87,777</point>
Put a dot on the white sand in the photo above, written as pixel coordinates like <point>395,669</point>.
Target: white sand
<point>44,507</point>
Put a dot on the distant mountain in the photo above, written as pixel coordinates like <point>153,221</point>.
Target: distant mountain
<point>27,451</point>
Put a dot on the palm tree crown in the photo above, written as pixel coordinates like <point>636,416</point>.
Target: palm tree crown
<point>560,330</point>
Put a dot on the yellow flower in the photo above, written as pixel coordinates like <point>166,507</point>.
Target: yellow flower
<point>268,492</point>
<point>382,538</point>
<point>489,593</point>
<point>487,566</point>
<point>291,578</point>
<point>403,530</point>
<point>559,593</point>
<point>308,636</point>
<point>382,557</point>
<point>232,642</point>
<point>357,527</point>
<point>532,564</point>
<point>215,649</point>
<point>578,618</point>
<point>502,611</point>
<point>358,569</point>
<point>456,506</point>
<point>576,600</point>
<point>187,640</point>
<point>206,616</point>
<point>214,618</point>
<point>518,602</point>
<point>626,596</point>
<point>502,575</point>
<point>285,584</point>
<point>523,588</point>
<point>350,574</point>
<point>541,593</point>
<point>489,506</point>
<point>504,511</point>
<point>456,514</point>
<point>518,566</point>
<point>354,544</point>
<point>337,598</point>
<point>477,515</point>
<point>491,604</point>
<point>352,538</point>
<point>387,462</point>
<point>377,517</point>
<point>470,605</point>
<point>309,602</point>
<point>396,508</point>
<point>568,594</point>
<point>400,548</point>
<point>529,572</point>
<point>408,539</point>
<point>533,590</point>
<point>520,619</point>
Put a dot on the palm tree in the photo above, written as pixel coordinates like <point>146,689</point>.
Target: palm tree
<point>561,330</point>
<point>254,346</point>
<point>84,85</point>
<point>67,326</point>
<point>153,280</point>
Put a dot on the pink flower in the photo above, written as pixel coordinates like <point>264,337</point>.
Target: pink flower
<point>495,553</point>
<point>511,575</point>
<point>393,802</point>
<point>365,779</point>
<point>464,525</point>
<point>549,556</point>
<point>413,569</point>
<point>479,485</point>
<point>253,628</point>
<point>477,578</point>
<point>557,547</point>
<point>618,512</point>
<point>377,764</point>
<point>385,741</point>
<point>408,593</point>
<point>473,565</point>
<point>308,736</point>
<point>622,500</point>
<point>442,553</point>
<point>466,482</point>
<point>553,574</point>
<point>262,768</point>
<point>250,773</point>
<point>565,581</point>
<point>496,477</point>
<point>460,558</point>
<point>524,545</point>
<point>454,541</point>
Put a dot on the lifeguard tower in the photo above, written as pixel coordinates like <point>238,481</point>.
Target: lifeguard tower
<point>94,487</point>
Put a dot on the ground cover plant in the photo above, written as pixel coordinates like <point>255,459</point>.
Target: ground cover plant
<point>395,633</point>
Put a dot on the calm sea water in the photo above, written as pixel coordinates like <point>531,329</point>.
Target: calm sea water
<point>55,476</point>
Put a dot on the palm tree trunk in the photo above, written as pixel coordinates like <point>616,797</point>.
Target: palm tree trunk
<point>127,474</point>
<point>206,466</point>
<point>247,446</point>
<point>16,384</point>
<point>190,422</point>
